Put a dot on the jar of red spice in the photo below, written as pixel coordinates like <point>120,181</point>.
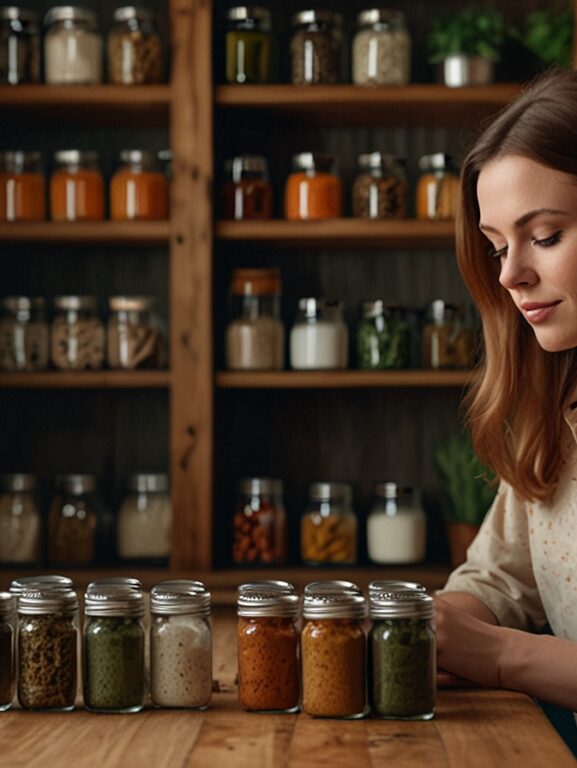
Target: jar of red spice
<point>76,187</point>
<point>138,189</point>
<point>22,187</point>
<point>259,525</point>
<point>247,193</point>
<point>313,190</point>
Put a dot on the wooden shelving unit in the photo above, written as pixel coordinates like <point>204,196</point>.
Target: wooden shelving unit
<point>143,233</point>
<point>340,379</point>
<point>86,380</point>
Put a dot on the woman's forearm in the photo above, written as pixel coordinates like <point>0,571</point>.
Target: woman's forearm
<point>470,604</point>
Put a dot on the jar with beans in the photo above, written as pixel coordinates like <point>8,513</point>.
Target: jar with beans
<point>73,522</point>
<point>247,54</point>
<point>380,188</point>
<point>259,523</point>
<point>134,338</point>
<point>72,46</point>
<point>382,337</point>
<point>76,334</point>
<point>313,190</point>
<point>381,48</point>
<point>24,343</point>
<point>329,525</point>
<point>246,192</point>
<point>135,54</point>
<point>19,46</point>
<point>20,522</point>
<point>7,650</point>
<point>315,47</point>
<point>22,186</point>
<point>138,188</point>
<point>437,187</point>
<point>76,186</point>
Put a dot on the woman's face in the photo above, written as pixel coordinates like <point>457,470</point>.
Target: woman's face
<point>529,216</point>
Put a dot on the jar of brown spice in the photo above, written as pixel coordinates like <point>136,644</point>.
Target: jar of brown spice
<point>259,524</point>
<point>72,522</point>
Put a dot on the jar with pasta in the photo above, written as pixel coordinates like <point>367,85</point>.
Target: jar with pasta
<point>381,50</point>
<point>76,187</point>
<point>24,342</point>
<point>437,187</point>
<point>138,188</point>
<point>72,46</point>
<point>144,520</point>
<point>246,192</point>
<point>313,190</point>
<point>447,339</point>
<point>19,46</point>
<point>315,47</point>
<point>134,336</point>
<point>20,523</point>
<point>135,55</point>
<point>248,45</point>
<point>77,334</point>
<point>73,522</point>
<point>380,188</point>
<point>259,523</point>
<point>329,525</point>
<point>22,186</point>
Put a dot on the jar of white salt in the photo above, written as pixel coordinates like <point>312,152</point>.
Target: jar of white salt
<point>72,46</point>
<point>396,525</point>
<point>319,336</point>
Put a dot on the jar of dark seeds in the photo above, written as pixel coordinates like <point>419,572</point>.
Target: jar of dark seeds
<point>134,48</point>
<point>380,189</point>
<point>315,47</point>
<point>6,649</point>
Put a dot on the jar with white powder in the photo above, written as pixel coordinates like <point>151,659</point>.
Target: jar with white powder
<point>180,645</point>
<point>72,46</point>
<point>19,520</point>
<point>396,525</point>
<point>144,520</point>
<point>319,336</point>
<point>381,51</point>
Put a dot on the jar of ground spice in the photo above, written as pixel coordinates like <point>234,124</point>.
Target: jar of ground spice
<point>332,629</point>
<point>315,47</point>
<point>437,187</point>
<point>248,45</point>
<point>72,46</point>
<point>138,188</point>
<point>134,48</point>
<point>380,189</point>
<point>246,192</point>
<point>329,525</point>
<point>381,50</point>
<point>47,655</point>
<point>313,190</point>
<point>447,341</point>
<point>22,186</point>
<point>180,645</point>
<point>268,669</point>
<point>76,186</point>
<point>259,523</point>
<point>7,635</point>
<point>144,519</point>
<point>114,657</point>
<point>402,655</point>
<point>73,521</point>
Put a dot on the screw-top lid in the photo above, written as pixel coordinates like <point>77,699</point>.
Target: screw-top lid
<point>49,600</point>
<point>70,13</point>
<point>438,161</point>
<point>328,491</point>
<point>267,584</point>
<point>328,600</point>
<point>378,161</point>
<point>76,303</point>
<point>23,303</point>
<point>391,585</point>
<point>122,582</point>
<point>18,160</point>
<point>15,13</point>
<point>138,157</point>
<point>44,583</point>
<point>255,486</point>
<point>77,485</point>
<point>148,482</point>
<point>13,483</point>
<point>114,600</point>
<point>392,491</point>
<point>311,161</point>
<point>315,309</point>
<point>256,282</point>
<point>250,13</point>
<point>331,586</point>
<point>316,17</point>
<point>180,597</point>
<point>76,156</point>
<point>375,308</point>
<point>7,604</point>
<point>128,12</point>
<point>266,600</point>
<point>384,16</point>
<point>406,604</point>
<point>131,303</point>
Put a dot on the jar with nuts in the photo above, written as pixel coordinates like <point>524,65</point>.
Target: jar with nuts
<point>380,189</point>
<point>315,47</point>
<point>134,337</point>
<point>329,525</point>
<point>259,524</point>
<point>24,344</point>
<point>135,54</point>
<point>77,334</point>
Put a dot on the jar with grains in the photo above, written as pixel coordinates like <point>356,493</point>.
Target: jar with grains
<point>382,337</point>
<point>180,645</point>
<point>24,343</point>
<point>22,186</point>
<point>144,520</point>
<point>76,334</point>
<point>319,338</point>
<point>246,192</point>
<point>268,640</point>
<point>73,521</point>
<point>134,336</point>
<point>19,46</point>
<point>329,525</point>
<point>20,522</point>
<point>313,190</point>
<point>396,525</point>
<point>259,523</point>
<point>333,630</point>
<point>437,187</point>
<point>138,188</point>
<point>381,49</point>
<point>76,187</point>
<point>447,341</point>
<point>135,55</point>
<point>7,650</point>
<point>254,338</point>
<point>47,649</point>
<point>248,45</point>
<point>402,655</point>
<point>72,46</point>
<point>114,657</point>
<point>380,188</point>
<point>315,47</point>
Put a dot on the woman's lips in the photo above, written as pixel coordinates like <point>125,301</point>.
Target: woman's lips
<point>536,312</point>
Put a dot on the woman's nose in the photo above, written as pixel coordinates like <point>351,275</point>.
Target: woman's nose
<point>517,269</point>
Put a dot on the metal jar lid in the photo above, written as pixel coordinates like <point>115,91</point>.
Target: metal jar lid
<point>322,603</point>
<point>384,16</point>
<point>316,17</point>
<point>70,13</point>
<point>15,160</point>
<point>394,585</point>
<point>75,156</point>
<point>312,161</point>
<point>375,308</point>
<point>255,486</point>
<point>114,600</point>
<point>76,303</point>
<point>145,482</point>
<point>44,583</point>
<point>17,304</point>
<point>77,485</point>
<point>138,157</point>
<point>406,604</point>
<point>122,582</point>
<point>15,13</point>
<point>47,601</point>
<point>331,586</point>
<point>392,491</point>
<point>129,12</point>
<point>131,303</point>
<point>438,161</point>
<point>271,585</point>
<point>16,482</point>
<point>236,166</point>
<point>379,161</point>
<point>6,605</point>
<point>328,491</point>
<point>249,13</point>
<point>180,597</point>
<point>267,602</point>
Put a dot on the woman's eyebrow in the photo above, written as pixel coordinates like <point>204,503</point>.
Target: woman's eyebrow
<point>526,217</point>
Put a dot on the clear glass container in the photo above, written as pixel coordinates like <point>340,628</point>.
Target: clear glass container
<point>248,45</point>
<point>73,522</point>
<point>144,519</point>
<point>329,525</point>
<point>447,340</point>
<point>381,49</point>
<point>259,523</point>
<point>24,338</point>
<point>382,337</point>
<point>254,337</point>
<point>319,337</point>
<point>246,192</point>
<point>268,641</point>
<point>380,188</point>
<point>437,187</point>
<point>19,46</point>
<point>76,334</point>
<point>313,190</point>
<point>396,525</point>
<point>72,46</point>
<point>7,650</point>
<point>135,55</point>
<point>22,186</point>
<point>134,335</point>
<point>76,186</point>
<point>315,47</point>
<point>20,521</point>
<point>138,188</point>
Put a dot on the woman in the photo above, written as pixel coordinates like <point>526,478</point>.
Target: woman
<point>517,251</point>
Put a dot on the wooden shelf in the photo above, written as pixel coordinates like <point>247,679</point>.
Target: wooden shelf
<point>150,233</point>
<point>86,380</point>
<point>340,379</point>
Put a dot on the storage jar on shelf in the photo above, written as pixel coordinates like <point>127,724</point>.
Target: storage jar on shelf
<point>381,49</point>
<point>22,186</point>
<point>259,523</point>
<point>144,519</point>
<point>246,192</point>
<point>7,650</point>
<point>74,520</point>
<point>134,338</point>
<point>19,46</point>
<point>447,340</point>
<point>396,525</point>
<point>313,190</point>
<point>329,525</point>
<point>72,46</point>
<point>380,188</point>
<point>248,45</point>
<point>24,336</point>
<point>382,337</point>
<point>437,187</point>
<point>76,334</point>
<point>315,47</point>
<point>135,55</point>
<point>76,186</point>
<point>138,188</point>
<point>20,521</point>
<point>319,336</point>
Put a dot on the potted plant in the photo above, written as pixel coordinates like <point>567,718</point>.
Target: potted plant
<point>548,36</point>
<point>465,45</point>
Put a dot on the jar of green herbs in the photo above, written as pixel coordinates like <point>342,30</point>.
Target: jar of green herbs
<point>6,649</point>
<point>402,655</point>
<point>247,45</point>
<point>382,337</point>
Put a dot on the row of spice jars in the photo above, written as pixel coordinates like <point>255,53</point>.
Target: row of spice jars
<point>314,190</point>
<point>396,524</point>
<point>78,528</point>
<point>73,47</point>
<point>380,47</point>
<point>76,338</point>
<point>138,189</point>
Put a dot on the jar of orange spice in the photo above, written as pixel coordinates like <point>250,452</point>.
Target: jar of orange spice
<point>138,189</point>
<point>76,187</point>
<point>437,187</point>
<point>313,190</point>
<point>22,187</point>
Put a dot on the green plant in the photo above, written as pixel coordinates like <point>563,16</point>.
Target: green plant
<point>548,36</point>
<point>474,30</point>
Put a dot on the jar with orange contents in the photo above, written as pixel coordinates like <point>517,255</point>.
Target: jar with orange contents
<point>138,189</point>
<point>246,193</point>
<point>22,187</point>
<point>437,188</point>
<point>313,190</point>
<point>76,186</point>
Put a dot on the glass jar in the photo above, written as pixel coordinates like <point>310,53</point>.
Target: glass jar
<point>20,521</point>
<point>7,643</point>
<point>382,337</point>
<point>380,189</point>
<point>248,45</point>
<point>144,520</point>
<point>47,650</point>
<point>139,188</point>
<point>313,190</point>
<point>259,523</point>
<point>319,338</point>
<point>332,630</point>
<point>22,186</point>
<point>114,667</point>
<point>73,521</point>
<point>381,50</point>
<point>24,344</point>
<point>254,338</point>
<point>315,47</point>
<point>396,525</point>
<point>247,192</point>
<point>268,640</point>
<point>134,48</point>
<point>329,525</point>
<point>19,46</point>
<point>76,187</point>
<point>447,341</point>
<point>437,187</point>
<point>180,645</point>
<point>76,334</point>
<point>402,656</point>
<point>134,337</point>
<point>72,46</point>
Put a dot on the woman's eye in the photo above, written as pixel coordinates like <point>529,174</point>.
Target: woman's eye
<point>498,253</point>
<point>547,242</point>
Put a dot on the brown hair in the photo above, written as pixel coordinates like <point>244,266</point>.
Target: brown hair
<point>515,405</point>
